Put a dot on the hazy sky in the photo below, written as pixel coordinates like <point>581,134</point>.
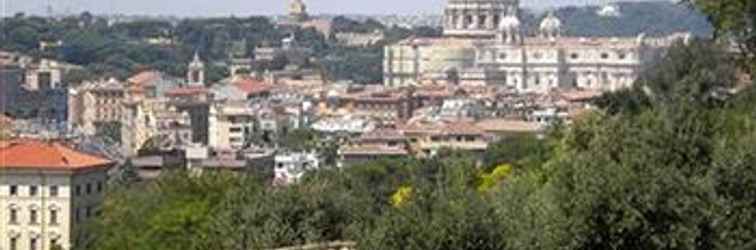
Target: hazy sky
<point>244,7</point>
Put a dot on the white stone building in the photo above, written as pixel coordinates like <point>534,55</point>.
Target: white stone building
<point>47,191</point>
<point>290,167</point>
<point>485,44</point>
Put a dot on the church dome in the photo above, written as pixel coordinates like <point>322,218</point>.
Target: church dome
<point>551,23</point>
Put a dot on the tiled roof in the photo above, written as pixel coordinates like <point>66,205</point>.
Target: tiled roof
<point>144,77</point>
<point>383,134</point>
<point>187,91</point>
<point>373,150</point>
<point>580,95</point>
<point>252,86</point>
<point>507,125</point>
<point>462,128</point>
<point>35,154</point>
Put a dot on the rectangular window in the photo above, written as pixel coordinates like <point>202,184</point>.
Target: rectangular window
<point>99,186</point>
<point>89,188</point>
<point>13,243</point>
<point>33,217</point>
<point>53,217</point>
<point>78,190</point>
<point>13,190</point>
<point>13,216</point>
<point>54,191</point>
<point>54,244</point>
<point>33,244</point>
<point>33,190</point>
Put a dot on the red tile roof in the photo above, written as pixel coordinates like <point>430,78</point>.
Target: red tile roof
<point>144,77</point>
<point>580,95</point>
<point>373,150</point>
<point>383,134</point>
<point>252,86</point>
<point>462,128</point>
<point>187,91</point>
<point>506,125</point>
<point>35,154</point>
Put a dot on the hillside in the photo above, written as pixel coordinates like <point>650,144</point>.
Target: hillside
<point>652,18</point>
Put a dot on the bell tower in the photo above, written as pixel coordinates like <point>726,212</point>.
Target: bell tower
<point>196,72</point>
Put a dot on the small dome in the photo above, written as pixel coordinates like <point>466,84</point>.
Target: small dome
<point>509,22</point>
<point>551,23</point>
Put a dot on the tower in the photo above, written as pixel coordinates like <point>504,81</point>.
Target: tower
<point>476,18</point>
<point>196,72</point>
<point>509,28</point>
<point>298,11</point>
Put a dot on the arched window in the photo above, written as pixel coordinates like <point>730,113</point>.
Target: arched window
<point>13,215</point>
<point>54,212</point>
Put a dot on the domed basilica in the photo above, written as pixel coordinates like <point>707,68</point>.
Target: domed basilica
<point>484,43</point>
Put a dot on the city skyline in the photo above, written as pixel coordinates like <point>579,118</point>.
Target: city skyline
<point>245,8</point>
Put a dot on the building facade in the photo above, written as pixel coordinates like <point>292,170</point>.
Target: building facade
<point>485,44</point>
<point>93,104</point>
<point>48,192</point>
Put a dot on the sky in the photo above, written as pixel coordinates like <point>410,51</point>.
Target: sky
<point>245,7</point>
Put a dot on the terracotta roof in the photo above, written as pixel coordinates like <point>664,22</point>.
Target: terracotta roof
<point>383,134</point>
<point>252,86</point>
<point>462,128</point>
<point>144,77</point>
<point>418,127</point>
<point>507,125</point>
<point>373,150</point>
<point>187,91</point>
<point>35,154</point>
<point>580,95</point>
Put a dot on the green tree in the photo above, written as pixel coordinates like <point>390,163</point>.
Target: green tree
<point>736,20</point>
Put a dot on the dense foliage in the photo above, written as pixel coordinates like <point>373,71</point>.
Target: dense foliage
<point>669,164</point>
<point>649,17</point>
<point>674,170</point>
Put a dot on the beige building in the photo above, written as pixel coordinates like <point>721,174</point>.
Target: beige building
<point>47,192</point>
<point>95,103</point>
<point>426,139</point>
<point>230,125</point>
<point>485,44</point>
<point>154,119</point>
<point>45,75</point>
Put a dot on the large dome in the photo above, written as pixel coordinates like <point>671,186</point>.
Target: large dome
<point>476,18</point>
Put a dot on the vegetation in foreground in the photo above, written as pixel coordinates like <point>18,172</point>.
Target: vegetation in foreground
<point>670,164</point>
